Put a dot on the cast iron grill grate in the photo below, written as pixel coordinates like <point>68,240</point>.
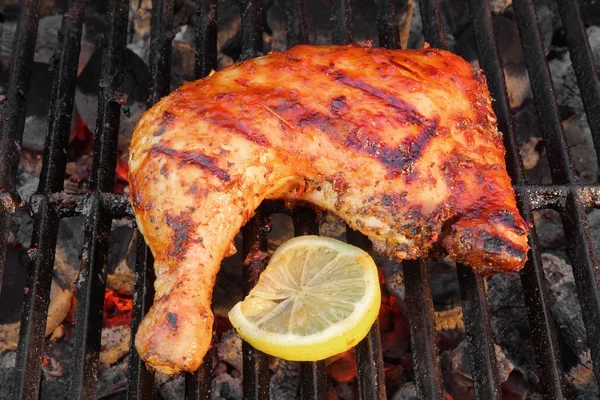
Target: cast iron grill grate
<point>100,206</point>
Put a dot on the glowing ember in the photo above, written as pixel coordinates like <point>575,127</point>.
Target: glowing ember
<point>117,309</point>
<point>121,174</point>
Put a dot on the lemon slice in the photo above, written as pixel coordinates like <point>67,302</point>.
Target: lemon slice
<point>317,297</point>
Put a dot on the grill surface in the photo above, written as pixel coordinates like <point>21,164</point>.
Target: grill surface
<point>50,204</point>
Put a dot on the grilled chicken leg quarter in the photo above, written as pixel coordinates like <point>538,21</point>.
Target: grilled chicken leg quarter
<point>401,144</point>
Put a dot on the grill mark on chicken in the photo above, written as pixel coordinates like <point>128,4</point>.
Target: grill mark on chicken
<point>172,319</point>
<point>406,110</point>
<point>396,159</point>
<point>192,157</point>
<point>222,118</point>
<point>182,226</point>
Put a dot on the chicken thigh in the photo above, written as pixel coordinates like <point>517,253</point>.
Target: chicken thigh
<point>401,144</point>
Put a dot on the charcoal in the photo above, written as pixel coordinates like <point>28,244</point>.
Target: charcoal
<point>457,374</point>
<point>70,239</point>
<point>511,327</point>
<point>508,318</point>
<point>136,82</point>
<point>581,148</point>
<point>578,137</point>
<point>320,26</point>
<point>509,45</point>
<point>228,286</point>
<point>562,294</point>
<point>112,379</point>
<point>13,281</point>
<point>121,256</point>
<point>549,229</point>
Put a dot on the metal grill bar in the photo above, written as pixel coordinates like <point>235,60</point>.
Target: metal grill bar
<point>255,362</point>
<point>297,30</point>
<point>313,378</point>
<point>206,37</point>
<point>433,26</point>
<point>12,110</point>
<point>540,317</point>
<point>37,298</point>
<point>585,271</point>
<point>387,24</point>
<point>46,222</point>
<point>419,304</point>
<point>341,15</point>
<point>252,28</point>
<point>542,88</point>
<point>584,265</point>
<point>369,357</point>
<point>160,49</point>
<point>198,386</point>
<point>91,283</point>
<point>482,354</point>
<point>141,380</point>
<point>313,381</point>
<point>583,64</point>
<point>255,385</point>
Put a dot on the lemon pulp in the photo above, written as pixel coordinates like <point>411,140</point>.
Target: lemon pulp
<point>316,298</point>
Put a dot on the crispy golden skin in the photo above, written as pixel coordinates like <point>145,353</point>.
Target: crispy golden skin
<point>402,145</point>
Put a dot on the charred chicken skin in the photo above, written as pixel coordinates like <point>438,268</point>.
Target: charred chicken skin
<point>401,144</point>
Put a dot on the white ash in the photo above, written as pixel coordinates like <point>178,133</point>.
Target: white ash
<point>8,377</point>
<point>549,20</point>
<point>229,349</point>
<point>112,379</point>
<point>285,381</point>
<point>170,387</point>
<point>53,368</point>
<point>345,391</point>
<point>581,148</point>
<point>226,387</point>
<point>332,226</point>
<point>408,391</point>
<point>114,343</point>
